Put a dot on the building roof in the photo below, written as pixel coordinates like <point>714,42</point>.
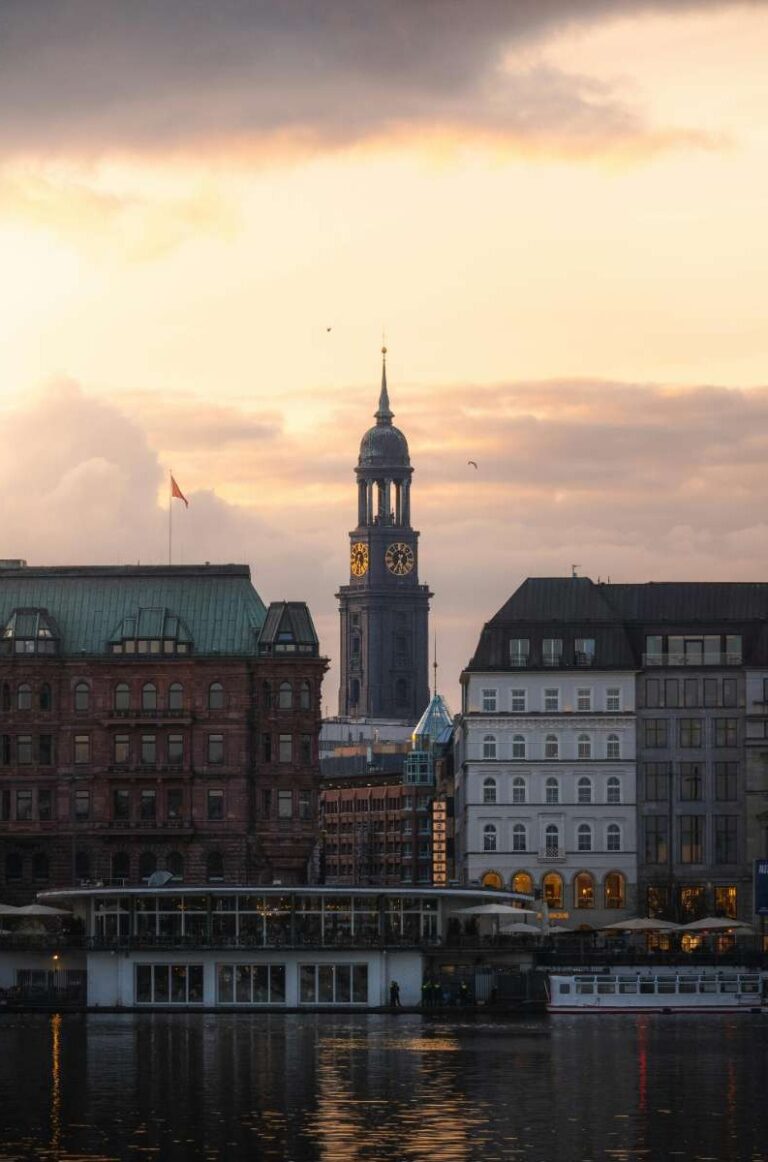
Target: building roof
<point>435,726</point>
<point>288,629</point>
<point>216,606</point>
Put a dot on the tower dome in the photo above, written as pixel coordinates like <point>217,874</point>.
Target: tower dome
<point>384,445</point>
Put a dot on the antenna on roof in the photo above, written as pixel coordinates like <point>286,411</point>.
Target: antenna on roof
<point>573,570</point>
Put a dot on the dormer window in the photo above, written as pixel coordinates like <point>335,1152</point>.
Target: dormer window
<point>29,631</point>
<point>153,632</point>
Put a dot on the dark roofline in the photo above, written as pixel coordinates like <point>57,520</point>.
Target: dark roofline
<point>125,572</point>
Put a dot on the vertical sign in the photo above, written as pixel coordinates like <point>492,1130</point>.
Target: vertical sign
<point>761,887</point>
<point>439,847</point>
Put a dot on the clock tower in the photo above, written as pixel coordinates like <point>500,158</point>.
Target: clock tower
<point>384,610</point>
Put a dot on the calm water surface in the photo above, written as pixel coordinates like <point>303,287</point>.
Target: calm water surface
<point>301,1087</point>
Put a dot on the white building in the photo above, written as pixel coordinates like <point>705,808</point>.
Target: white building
<point>545,754</point>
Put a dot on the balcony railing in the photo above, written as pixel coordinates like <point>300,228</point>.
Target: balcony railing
<point>681,659</point>
<point>551,854</point>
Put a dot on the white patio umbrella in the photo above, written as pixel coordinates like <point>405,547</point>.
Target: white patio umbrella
<point>521,930</point>
<point>8,910</point>
<point>715,924</point>
<point>40,910</point>
<point>494,910</point>
<point>642,924</point>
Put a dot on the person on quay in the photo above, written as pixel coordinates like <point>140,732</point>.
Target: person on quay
<point>394,995</point>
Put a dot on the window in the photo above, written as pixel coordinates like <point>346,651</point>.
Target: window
<point>285,696</point>
<point>615,890</point>
<point>121,749</point>
<point>149,696</point>
<point>518,789</point>
<point>613,837</point>
<point>518,702</point>
<point>612,747</point>
<point>519,837</point>
<point>24,697</point>
<point>285,804</point>
<point>24,806</point>
<point>711,692</point>
<point>553,890</point>
<point>82,866</point>
<point>489,790</point>
<point>552,651</point>
<point>656,839</point>
<point>691,692</point>
<point>726,832</point>
<point>401,692</point>
<point>24,749</point>
<point>46,698</point>
<point>551,747</point>
<point>657,782</point>
<point>690,782</point>
<point>730,692</point>
<point>266,748</point>
<point>305,805</point>
<point>215,805</point>
<point>176,696</point>
<point>652,693</point>
<point>305,696</point>
<point>584,837</point>
<point>214,867</point>
<point>215,752</point>
<point>285,748</point>
<point>551,840</point>
<point>726,781</point>
<point>5,697</point>
<point>149,749</point>
<point>121,804</point>
<point>489,701</point>
<point>551,701</point>
<point>82,748</point>
<point>613,699</point>
<point>5,805</point>
<point>584,790</point>
<point>584,651</point>
<point>45,750</point>
<point>5,749</point>
<point>489,837</point>
<point>726,732</point>
<point>655,733</point>
<point>333,984</point>
<point>122,697</point>
<point>216,696</point>
<point>305,749</point>
<point>519,651</point>
<point>175,749</point>
<point>583,891</point>
<point>82,806</point>
<point>583,699</point>
<point>518,746</point>
<point>13,866</point>
<point>671,693</point>
<point>584,746</point>
<point>551,791</point>
<point>41,869</point>
<point>691,838</point>
<point>489,746</point>
<point>44,805</point>
<point>726,901</point>
<point>174,863</point>
<point>174,802</point>
<point>148,805</point>
<point>690,732</point>
<point>523,883</point>
<point>733,650</point>
<point>251,984</point>
<point>613,790</point>
<point>162,984</point>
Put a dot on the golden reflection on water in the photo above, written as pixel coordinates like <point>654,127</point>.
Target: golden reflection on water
<point>56,1082</point>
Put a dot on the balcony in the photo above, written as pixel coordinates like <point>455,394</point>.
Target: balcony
<point>681,659</point>
<point>550,854</point>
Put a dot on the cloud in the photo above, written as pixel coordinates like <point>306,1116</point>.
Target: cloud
<point>135,75</point>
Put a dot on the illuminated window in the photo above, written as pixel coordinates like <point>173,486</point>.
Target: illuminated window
<point>584,891</point>
<point>615,890</point>
<point>553,889</point>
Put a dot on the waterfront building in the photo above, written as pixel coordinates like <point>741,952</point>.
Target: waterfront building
<point>384,609</point>
<point>154,719</point>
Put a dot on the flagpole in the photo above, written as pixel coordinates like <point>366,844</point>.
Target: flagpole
<point>170,515</point>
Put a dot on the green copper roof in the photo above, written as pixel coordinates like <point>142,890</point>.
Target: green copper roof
<point>215,606</point>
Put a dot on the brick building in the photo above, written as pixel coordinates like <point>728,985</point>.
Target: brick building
<point>154,719</point>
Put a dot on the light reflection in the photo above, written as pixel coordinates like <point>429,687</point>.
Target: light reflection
<point>56,1081</point>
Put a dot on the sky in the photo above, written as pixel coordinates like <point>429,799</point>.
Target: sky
<point>554,210</point>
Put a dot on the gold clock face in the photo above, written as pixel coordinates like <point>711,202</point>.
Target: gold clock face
<point>399,558</point>
<point>358,561</point>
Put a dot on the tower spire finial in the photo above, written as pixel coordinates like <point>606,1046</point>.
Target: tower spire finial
<point>434,666</point>
<point>384,412</point>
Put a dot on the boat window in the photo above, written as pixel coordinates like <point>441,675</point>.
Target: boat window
<point>585,988</point>
<point>606,987</point>
<point>648,986</point>
<point>564,988</point>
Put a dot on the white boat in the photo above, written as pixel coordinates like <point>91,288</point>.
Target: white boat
<point>708,991</point>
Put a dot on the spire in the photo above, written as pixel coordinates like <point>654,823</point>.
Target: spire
<point>384,413</point>
<point>434,665</point>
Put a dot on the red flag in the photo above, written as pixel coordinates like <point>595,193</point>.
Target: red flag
<point>177,493</point>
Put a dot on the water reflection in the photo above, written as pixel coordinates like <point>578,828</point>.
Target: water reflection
<point>355,1088</point>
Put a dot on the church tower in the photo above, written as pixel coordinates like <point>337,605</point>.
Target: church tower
<point>384,610</point>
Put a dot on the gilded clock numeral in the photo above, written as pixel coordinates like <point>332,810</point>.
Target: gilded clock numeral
<point>399,558</point>
<point>358,561</point>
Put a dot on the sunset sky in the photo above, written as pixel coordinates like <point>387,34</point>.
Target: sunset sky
<point>554,209</point>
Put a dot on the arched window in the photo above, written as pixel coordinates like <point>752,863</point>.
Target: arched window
<point>13,866</point>
<point>266,695</point>
<point>583,891</point>
<point>147,864</point>
<point>305,696</point>
<point>489,790</point>
<point>175,696</point>
<point>522,882</point>
<point>551,840</point>
<point>24,697</point>
<point>584,790</point>
<point>518,746</point>
<point>518,789</point>
<point>615,890</point>
<point>82,696</point>
<point>82,865</point>
<point>492,879</point>
<point>401,692</point>
<point>216,696</point>
<point>354,691</point>
<point>41,867</point>
<point>121,865</point>
<point>553,889</point>
<point>613,790</point>
<point>489,746</point>
<point>584,746</point>
<point>584,837</point>
<point>5,696</point>
<point>285,696</point>
<point>149,696</point>
<point>519,837</point>
<point>551,791</point>
<point>613,837</point>
<point>46,697</point>
<point>214,866</point>
<point>122,698</point>
<point>174,863</point>
<point>489,837</point>
<point>612,747</point>
<point>551,747</point>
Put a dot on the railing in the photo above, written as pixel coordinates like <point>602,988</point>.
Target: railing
<point>681,659</point>
<point>552,854</point>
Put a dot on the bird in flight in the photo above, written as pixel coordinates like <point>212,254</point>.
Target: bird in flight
<point>473,463</point>
<point>327,328</point>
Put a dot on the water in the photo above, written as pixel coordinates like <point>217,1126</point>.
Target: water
<point>344,1087</point>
